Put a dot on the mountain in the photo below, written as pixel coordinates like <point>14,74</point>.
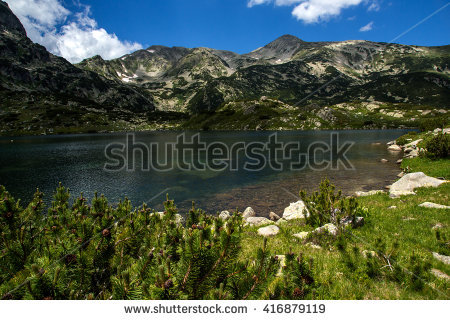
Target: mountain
<point>287,84</point>
<point>40,91</point>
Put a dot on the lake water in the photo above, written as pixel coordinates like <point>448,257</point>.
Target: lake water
<point>78,161</point>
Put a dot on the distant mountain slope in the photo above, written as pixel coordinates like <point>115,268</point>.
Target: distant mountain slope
<point>40,90</point>
<point>288,69</point>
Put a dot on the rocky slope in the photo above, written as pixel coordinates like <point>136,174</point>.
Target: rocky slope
<point>40,91</point>
<point>287,84</point>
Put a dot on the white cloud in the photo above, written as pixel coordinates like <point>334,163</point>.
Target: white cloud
<point>367,27</point>
<point>374,6</point>
<point>74,36</point>
<point>313,11</point>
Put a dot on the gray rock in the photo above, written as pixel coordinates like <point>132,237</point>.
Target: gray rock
<point>432,205</point>
<point>268,231</point>
<point>413,144</point>
<point>411,181</point>
<point>390,143</point>
<point>359,221</point>
<point>257,221</point>
<point>395,148</point>
<point>249,212</point>
<point>301,235</point>
<point>439,274</point>
<point>295,211</point>
<point>274,217</point>
<point>441,257</point>
<point>368,193</point>
<point>392,207</point>
<point>329,227</point>
<point>413,154</point>
<point>225,215</point>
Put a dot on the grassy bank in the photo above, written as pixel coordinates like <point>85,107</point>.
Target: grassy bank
<point>407,226</point>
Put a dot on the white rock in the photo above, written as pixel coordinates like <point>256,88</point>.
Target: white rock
<point>413,144</point>
<point>359,221</point>
<point>395,148</point>
<point>432,205</point>
<point>439,274</point>
<point>329,227</point>
<point>268,231</point>
<point>442,258</point>
<point>438,226</point>
<point>368,193</point>
<point>413,154</point>
<point>401,174</point>
<point>295,211</point>
<point>257,221</point>
<point>249,212</point>
<point>411,181</point>
<point>390,143</point>
<point>225,215</point>
<point>384,161</point>
<point>392,207</point>
<point>399,161</point>
<point>301,235</point>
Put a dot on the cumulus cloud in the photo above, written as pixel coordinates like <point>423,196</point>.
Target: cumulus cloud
<point>367,27</point>
<point>313,11</point>
<point>74,36</point>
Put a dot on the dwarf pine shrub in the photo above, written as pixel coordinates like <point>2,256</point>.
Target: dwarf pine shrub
<point>94,251</point>
<point>326,206</point>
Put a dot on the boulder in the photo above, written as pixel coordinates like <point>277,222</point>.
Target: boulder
<point>395,148</point>
<point>249,212</point>
<point>301,235</point>
<point>225,215</point>
<point>295,211</point>
<point>257,221</point>
<point>329,227</point>
<point>413,154</point>
<point>411,181</point>
<point>432,205</point>
<point>268,231</point>
<point>390,143</point>
<point>368,193</point>
<point>441,258</point>
<point>274,217</point>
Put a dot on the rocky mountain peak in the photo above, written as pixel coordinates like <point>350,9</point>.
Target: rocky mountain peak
<point>8,21</point>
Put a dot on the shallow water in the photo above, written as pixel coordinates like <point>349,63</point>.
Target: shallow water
<point>27,163</point>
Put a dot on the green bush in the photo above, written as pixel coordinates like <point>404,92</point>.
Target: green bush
<point>406,138</point>
<point>438,147</point>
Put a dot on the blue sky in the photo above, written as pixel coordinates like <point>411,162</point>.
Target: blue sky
<point>236,25</point>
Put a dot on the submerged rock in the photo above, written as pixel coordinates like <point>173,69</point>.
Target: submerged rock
<point>411,181</point>
<point>295,211</point>
<point>268,231</point>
